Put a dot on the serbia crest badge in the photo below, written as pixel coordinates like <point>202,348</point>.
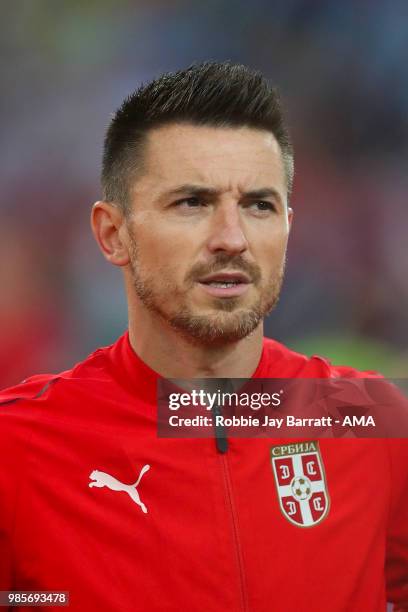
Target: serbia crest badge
<point>300,482</point>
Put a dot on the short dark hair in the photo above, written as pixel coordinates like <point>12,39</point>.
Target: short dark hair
<point>218,94</point>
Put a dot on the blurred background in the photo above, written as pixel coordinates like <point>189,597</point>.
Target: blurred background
<point>341,68</point>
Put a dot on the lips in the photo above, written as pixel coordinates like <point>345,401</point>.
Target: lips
<point>225,277</point>
<point>225,284</point>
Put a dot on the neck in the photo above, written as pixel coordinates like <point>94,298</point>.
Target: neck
<point>171,355</point>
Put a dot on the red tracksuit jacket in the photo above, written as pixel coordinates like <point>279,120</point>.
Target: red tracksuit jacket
<point>202,531</point>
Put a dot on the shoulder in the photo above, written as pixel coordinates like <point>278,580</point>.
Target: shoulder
<point>41,390</point>
<point>281,361</point>
<point>45,408</point>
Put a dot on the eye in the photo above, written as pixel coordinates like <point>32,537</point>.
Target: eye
<point>263,206</point>
<point>192,202</point>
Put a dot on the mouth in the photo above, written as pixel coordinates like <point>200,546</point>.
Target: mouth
<point>225,284</point>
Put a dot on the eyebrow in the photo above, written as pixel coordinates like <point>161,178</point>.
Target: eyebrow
<point>264,192</point>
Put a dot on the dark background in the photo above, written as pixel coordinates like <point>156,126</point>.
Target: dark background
<point>341,67</point>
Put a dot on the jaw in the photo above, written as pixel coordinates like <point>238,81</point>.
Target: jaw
<point>216,327</point>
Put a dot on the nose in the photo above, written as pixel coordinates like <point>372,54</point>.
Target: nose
<point>227,233</point>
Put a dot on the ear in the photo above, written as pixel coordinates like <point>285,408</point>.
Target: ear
<point>109,229</point>
<point>290,217</point>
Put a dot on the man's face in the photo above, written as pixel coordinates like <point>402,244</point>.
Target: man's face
<point>208,229</point>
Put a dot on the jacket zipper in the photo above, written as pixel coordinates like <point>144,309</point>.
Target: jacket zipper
<point>234,522</point>
<point>221,442</point>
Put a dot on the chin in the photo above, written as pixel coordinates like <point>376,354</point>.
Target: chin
<point>217,329</point>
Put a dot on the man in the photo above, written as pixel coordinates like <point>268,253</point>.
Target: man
<point>197,172</point>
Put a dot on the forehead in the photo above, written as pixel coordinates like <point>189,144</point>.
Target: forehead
<point>226,158</point>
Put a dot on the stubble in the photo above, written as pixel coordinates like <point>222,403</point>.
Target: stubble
<point>228,322</point>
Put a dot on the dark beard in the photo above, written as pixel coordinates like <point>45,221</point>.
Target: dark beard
<point>224,326</point>
<point>219,329</point>
<point>207,330</point>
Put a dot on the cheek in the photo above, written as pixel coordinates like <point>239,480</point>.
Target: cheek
<point>270,254</point>
<point>151,246</point>
<point>163,256</point>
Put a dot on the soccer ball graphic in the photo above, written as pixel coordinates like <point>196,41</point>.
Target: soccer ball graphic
<point>301,488</point>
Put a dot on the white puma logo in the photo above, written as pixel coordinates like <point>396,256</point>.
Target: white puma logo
<point>101,479</point>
